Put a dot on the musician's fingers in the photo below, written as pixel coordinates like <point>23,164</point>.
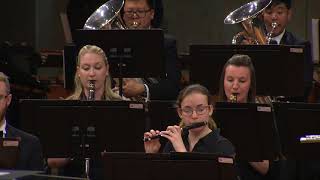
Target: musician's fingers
<point>147,134</point>
<point>115,89</point>
<point>174,129</point>
<point>154,132</point>
<point>245,42</point>
<point>166,134</point>
<point>170,128</point>
<point>177,128</point>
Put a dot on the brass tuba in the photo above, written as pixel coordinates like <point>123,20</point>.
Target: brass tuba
<point>248,16</point>
<point>107,16</point>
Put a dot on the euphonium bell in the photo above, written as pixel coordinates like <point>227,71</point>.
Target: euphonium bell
<point>248,16</point>
<point>107,16</point>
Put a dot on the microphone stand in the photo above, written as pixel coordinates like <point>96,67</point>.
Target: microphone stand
<point>146,112</point>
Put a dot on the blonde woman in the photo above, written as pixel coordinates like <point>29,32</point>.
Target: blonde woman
<point>92,65</point>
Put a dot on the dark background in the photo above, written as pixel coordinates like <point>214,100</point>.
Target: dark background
<point>38,22</point>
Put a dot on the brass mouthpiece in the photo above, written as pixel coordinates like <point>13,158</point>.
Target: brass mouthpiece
<point>134,25</point>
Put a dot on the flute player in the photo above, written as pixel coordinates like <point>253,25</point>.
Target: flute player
<point>194,105</point>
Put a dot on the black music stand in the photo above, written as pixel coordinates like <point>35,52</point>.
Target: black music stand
<point>250,128</point>
<point>40,115</point>
<point>142,166</point>
<point>84,128</point>
<point>296,121</point>
<point>162,114</point>
<point>279,69</point>
<point>18,174</point>
<point>131,53</point>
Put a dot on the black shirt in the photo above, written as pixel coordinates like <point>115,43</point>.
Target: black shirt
<point>211,143</point>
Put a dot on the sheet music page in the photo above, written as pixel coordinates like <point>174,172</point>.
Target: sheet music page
<point>4,173</point>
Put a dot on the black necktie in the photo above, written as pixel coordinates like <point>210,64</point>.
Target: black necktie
<point>1,134</point>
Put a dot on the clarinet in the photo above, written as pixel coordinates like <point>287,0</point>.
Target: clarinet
<point>92,90</point>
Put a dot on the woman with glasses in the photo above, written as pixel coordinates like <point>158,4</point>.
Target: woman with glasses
<point>194,105</point>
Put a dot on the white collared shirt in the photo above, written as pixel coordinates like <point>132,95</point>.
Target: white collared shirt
<point>3,128</point>
<point>279,37</point>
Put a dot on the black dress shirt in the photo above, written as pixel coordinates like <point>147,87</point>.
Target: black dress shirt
<point>211,143</point>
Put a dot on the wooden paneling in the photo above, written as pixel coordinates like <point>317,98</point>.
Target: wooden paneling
<point>37,21</point>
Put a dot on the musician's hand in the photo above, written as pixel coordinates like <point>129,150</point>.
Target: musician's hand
<point>153,145</point>
<point>262,167</point>
<point>245,39</point>
<point>248,41</point>
<point>115,89</point>
<point>173,134</point>
<point>57,162</point>
<point>132,88</point>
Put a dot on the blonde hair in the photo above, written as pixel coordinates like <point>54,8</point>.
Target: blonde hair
<point>78,89</point>
<point>4,78</point>
<point>196,88</point>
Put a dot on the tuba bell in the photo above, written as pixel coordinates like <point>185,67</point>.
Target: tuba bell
<point>107,16</point>
<point>248,16</point>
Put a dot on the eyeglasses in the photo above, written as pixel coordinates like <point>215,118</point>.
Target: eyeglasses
<point>200,110</point>
<point>3,97</point>
<point>138,13</point>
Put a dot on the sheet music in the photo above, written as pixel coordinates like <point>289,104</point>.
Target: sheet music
<point>4,173</point>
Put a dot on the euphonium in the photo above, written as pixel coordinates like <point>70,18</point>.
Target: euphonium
<point>107,16</point>
<point>248,17</point>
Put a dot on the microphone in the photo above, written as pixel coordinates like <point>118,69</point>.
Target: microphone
<point>191,126</point>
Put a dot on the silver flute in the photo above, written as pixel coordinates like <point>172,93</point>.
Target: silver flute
<point>191,126</point>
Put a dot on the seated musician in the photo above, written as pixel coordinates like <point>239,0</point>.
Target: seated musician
<point>92,66</point>
<point>238,79</point>
<point>279,13</point>
<point>30,152</point>
<point>146,14</point>
<point>194,105</point>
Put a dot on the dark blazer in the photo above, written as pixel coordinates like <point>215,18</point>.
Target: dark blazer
<point>290,39</point>
<point>167,88</point>
<point>30,156</point>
